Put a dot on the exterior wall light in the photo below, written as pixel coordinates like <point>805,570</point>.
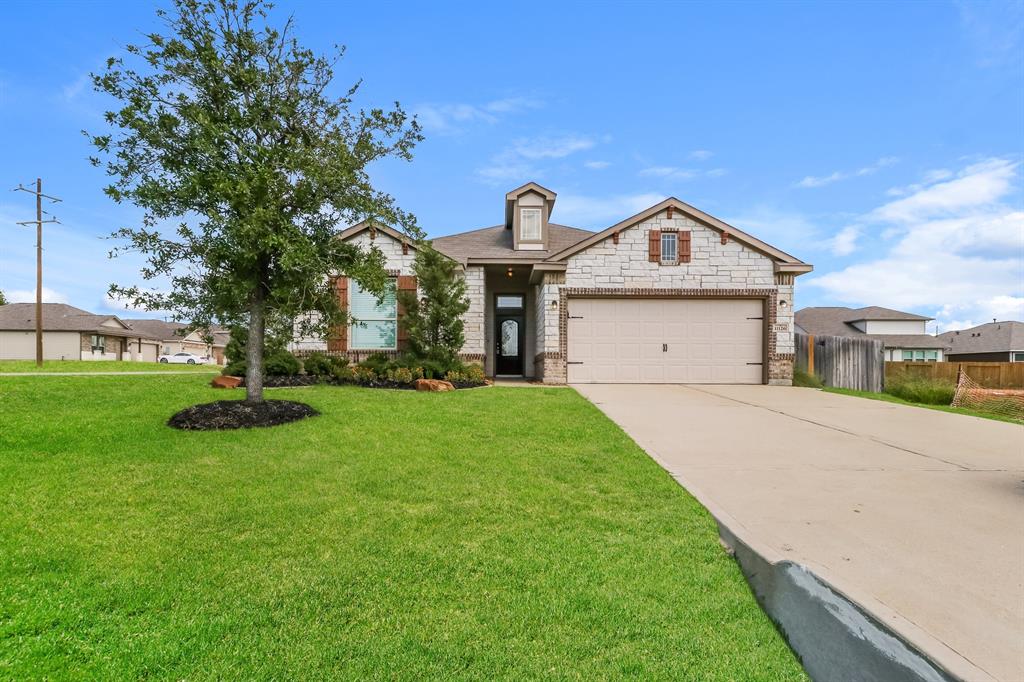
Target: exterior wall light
<point>508,273</point>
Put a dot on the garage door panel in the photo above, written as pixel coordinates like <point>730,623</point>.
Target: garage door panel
<point>705,341</point>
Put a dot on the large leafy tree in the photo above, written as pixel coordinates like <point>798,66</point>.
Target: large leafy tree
<point>3,299</point>
<point>228,131</point>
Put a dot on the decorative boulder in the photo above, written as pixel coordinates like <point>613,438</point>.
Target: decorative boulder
<point>433,385</point>
<point>226,382</point>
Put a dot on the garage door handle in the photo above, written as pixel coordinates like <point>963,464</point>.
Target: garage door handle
<point>755,318</point>
<point>578,362</point>
<point>575,317</point>
<point>755,363</point>
<point>664,348</point>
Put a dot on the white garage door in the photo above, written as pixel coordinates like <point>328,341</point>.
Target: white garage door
<point>665,341</point>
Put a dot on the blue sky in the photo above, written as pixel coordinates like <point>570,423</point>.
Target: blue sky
<point>881,142</point>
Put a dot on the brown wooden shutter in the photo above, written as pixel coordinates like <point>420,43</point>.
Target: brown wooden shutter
<point>337,339</point>
<point>654,246</point>
<point>683,247</point>
<point>405,283</point>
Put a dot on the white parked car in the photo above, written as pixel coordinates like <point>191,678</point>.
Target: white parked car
<point>184,359</point>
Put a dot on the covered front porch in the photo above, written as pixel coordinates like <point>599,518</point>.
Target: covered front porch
<point>513,318</point>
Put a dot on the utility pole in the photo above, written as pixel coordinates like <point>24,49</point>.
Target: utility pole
<point>38,192</point>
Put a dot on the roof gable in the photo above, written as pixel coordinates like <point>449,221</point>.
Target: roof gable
<point>365,225</point>
<point>784,261</point>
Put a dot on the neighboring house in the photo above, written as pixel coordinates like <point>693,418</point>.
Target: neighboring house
<point>992,342</point>
<point>173,338</point>
<point>669,295</point>
<point>71,333</point>
<point>904,334</point>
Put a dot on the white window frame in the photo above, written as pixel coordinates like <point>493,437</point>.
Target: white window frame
<point>523,237</point>
<point>353,287</point>
<point>673,239</point>
<point>1017,356</point>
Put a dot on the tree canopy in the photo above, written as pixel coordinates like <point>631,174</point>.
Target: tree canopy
<point>228,136</point>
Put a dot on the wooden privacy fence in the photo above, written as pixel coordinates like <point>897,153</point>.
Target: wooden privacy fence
<point>842,361</point>
<point>986,374</point>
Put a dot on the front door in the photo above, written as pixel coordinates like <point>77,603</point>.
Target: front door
<point>509,331</point>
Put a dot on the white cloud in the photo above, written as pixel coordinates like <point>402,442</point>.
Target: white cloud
<point>454,117</point>
<point>995,30</point>
<point>519,161</point>
<point>977,185</point>
<point>596,165</point>
<point>700,155</point>
<point>676,174</point>
<point>72,90</point>
<point>821,181</point>
<point>29,296</point>
<point>954,249</point>
<point>845,241</point>
<point>551,147</point>
<point>600,212</point>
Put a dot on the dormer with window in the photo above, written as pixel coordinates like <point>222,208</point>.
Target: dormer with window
<point>527,210</point>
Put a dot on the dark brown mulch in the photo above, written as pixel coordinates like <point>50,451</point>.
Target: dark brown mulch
<point>311,380</point>
<point>238,414</point>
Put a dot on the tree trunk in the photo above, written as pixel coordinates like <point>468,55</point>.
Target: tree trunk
<point>254,349</point>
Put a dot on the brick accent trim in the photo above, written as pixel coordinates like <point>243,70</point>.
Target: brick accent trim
<point>777,366</point>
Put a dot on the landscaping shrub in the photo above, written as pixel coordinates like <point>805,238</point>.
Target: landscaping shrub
<point>806,380</point>
<point>378,362</point>
<point>322,365</point>
<point>362,374</point>
<point>468,374</point>
<point>920,390</point>
<point>400,375</point>
<point>281,363</point>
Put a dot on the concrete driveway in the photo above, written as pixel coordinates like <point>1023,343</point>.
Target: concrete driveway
<point>916,515</point>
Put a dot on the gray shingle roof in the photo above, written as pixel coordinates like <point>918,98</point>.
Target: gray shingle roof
<point>836,321</point>
<point>993,337</point>
<point>171,331</point>
<point>62,317</point>
<point>496,242</point>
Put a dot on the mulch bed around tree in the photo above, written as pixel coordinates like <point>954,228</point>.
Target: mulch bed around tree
<point>238,414</point>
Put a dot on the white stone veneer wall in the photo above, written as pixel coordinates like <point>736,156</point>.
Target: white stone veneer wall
<point>713,265</point>
<point>473,319</point>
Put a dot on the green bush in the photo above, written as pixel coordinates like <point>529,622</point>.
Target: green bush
<point>920,390</point>
<point>281,363</point>
<point>400,375</point>
<point>342,372</point>
<point>363,375</point>
<point>319,364</point>
<point>806,380</point>
<point>471,373</point>
<point>234,369</point>
<point>378,362</point>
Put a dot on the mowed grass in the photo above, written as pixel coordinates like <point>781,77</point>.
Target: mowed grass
<point>99,366</point>
<point>490,533</point>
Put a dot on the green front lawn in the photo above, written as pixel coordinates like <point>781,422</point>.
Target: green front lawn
<point>99,366</point>
<point>487,533</point>
<point>942,408</point>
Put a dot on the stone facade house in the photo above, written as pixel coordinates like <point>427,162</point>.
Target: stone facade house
<point>71,333</point>
<point>669,295</point>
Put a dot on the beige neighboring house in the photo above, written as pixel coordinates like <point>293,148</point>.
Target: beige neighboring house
<point>71,333</point>
<point>669,295</point>
<point>173,338</point>
<point>904,335</point>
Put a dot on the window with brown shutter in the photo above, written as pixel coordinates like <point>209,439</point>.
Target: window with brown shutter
<point>337,338</point>
<point>684,247</point>
<point>654,246</point>
<point>405,283</point>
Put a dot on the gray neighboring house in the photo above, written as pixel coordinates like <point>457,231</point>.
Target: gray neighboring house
<point>904,334</point>
<point>992,342</point>
<point>669,295</point>
<point>71,333</point>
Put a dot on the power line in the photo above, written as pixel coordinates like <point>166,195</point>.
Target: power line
<point>39,222</point>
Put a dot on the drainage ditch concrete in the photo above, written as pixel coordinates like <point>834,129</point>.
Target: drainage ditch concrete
<point>834,637</point>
